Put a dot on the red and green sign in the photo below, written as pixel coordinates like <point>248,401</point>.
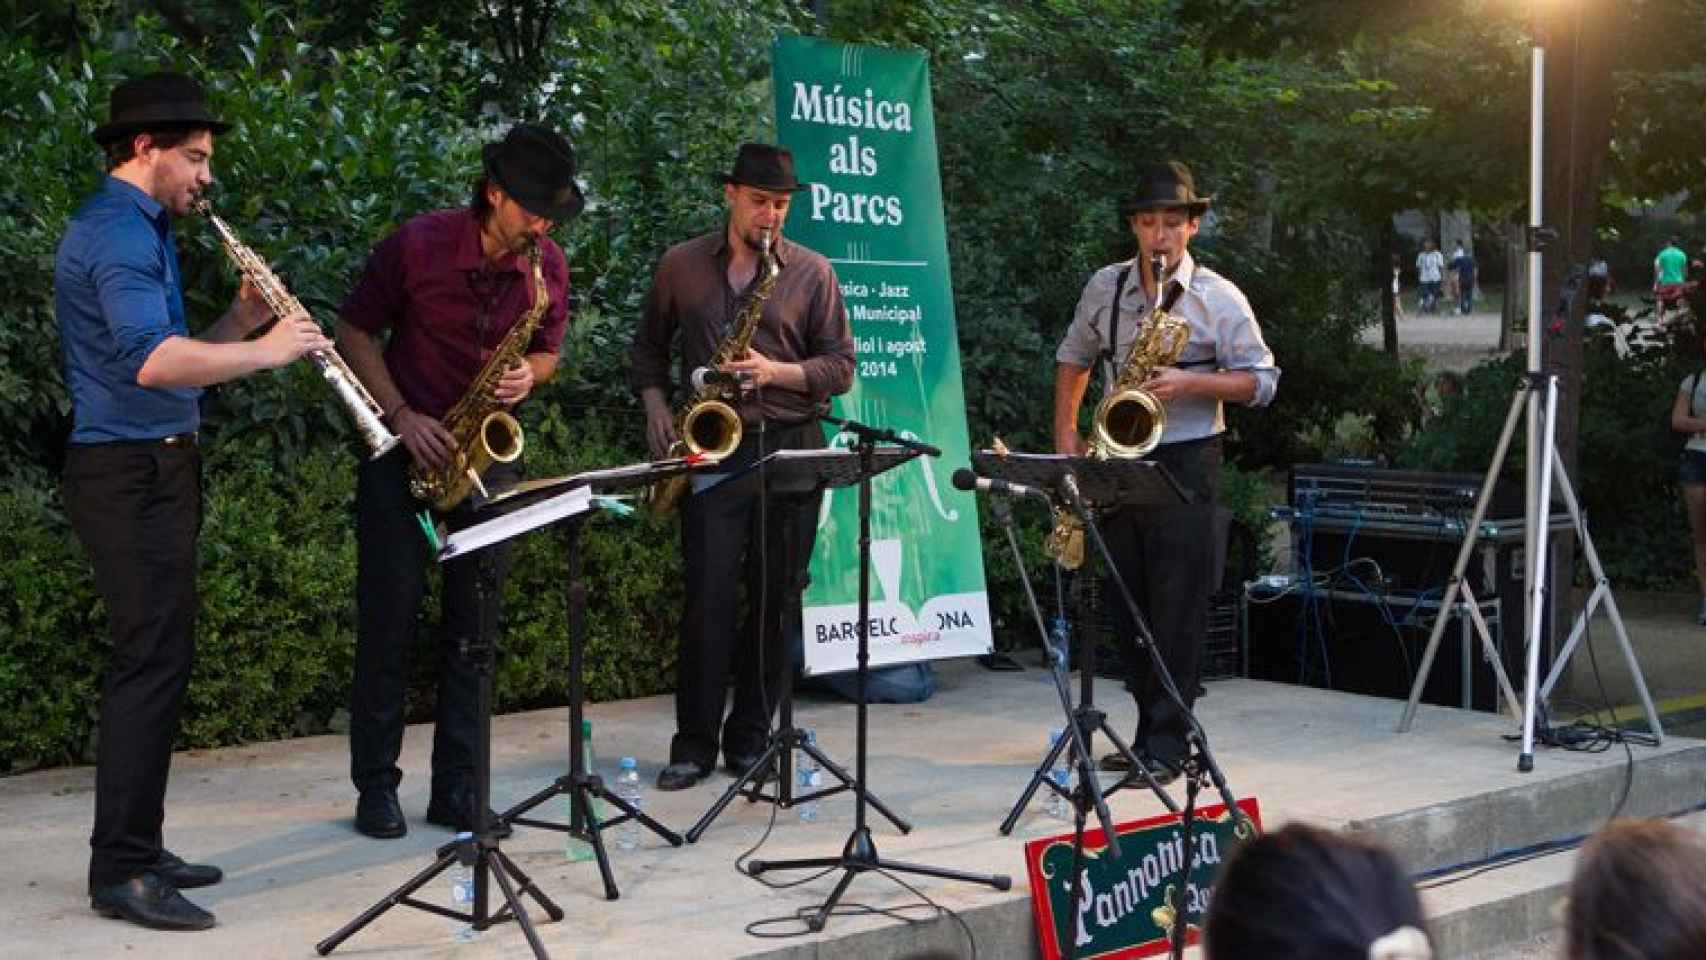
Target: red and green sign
<point>1127,907</point>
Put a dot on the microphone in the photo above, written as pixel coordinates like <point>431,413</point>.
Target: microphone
<point>966,480</point>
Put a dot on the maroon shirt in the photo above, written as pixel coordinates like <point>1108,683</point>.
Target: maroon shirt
<point>803,322</point>
<point>447,309</point>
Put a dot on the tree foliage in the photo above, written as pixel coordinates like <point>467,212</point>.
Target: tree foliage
<point>1310,121</point>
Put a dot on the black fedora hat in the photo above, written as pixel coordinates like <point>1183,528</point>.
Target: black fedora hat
<point>765,167</point>
<point>1165,186</point>
<point>535,165</point>
<point>156,102</point>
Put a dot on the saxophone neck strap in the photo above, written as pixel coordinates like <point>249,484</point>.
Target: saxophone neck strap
<point>1109,355</point>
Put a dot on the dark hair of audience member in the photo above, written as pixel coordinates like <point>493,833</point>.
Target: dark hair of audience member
<point>1305,893</point>
<point>1639,893</point>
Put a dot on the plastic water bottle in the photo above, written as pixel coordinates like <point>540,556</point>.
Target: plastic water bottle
<point>462,891</point>
<point>577,849</point>
<point>629,788</point>
<point>807,778</point>
<point>1061,775</point>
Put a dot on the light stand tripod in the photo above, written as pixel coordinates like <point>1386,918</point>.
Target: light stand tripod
<point>480,849</point>
<point>859,854</point>
<point>1542,460</point>
<point>802,474</point>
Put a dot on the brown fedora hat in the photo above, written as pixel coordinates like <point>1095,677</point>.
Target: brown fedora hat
<point>1165,186</point>
<point>156,102</point>
<point>765,167</point>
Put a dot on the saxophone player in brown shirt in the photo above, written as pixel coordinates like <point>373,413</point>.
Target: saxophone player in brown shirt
<point>732,537</point>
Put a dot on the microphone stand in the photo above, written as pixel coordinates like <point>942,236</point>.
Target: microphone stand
<point>859,854</point>
<point>1199,765</point>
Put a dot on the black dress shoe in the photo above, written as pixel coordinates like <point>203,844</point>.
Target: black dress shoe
<point>737,765</point>
<point>151,902</point>
<point>456,811</point>
<point>379,815</point>
<point>681,775</point>
<point>186,876</point>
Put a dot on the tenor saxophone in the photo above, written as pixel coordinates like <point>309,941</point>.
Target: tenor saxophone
<point>363,409</point>
<point>1129,421</point>
<point>485,433</point>
<point>708,424</point>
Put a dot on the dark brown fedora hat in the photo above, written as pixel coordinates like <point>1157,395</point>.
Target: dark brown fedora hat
<point>764,166</point>
<point>1165,186</point>
<point>535,165</point>
<point>156,102</point>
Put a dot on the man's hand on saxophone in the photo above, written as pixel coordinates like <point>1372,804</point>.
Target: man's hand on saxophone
<point>293,337</point>
<point>428,442</point>
<point>514,385</point>
<point>758,370</point>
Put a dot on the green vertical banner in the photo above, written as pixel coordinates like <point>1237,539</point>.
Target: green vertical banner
<point>859,122</point>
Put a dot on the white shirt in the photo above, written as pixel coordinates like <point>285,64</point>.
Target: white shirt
<point>1224,336</point>
<point>1430,265</point>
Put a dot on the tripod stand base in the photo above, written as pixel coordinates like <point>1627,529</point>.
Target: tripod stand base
<point>488,861</point>
<point>581,788</point>
<point>750,782</point>
<point>860,856</point>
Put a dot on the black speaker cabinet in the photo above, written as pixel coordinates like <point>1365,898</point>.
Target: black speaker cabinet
<point>1364,629</point>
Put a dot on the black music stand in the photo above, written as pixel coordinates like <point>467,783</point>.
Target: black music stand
<point>1079,482</point>
<point>859,854</point>
<point>579,785</point>
<point>479,849</point>
<point>531,505</point>
<point>800,474</point>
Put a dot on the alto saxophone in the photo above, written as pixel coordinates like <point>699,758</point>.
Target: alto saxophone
<point>1129,421</point>
<point>708,424</point>
<point>345,384</point>
<point>485,433</point>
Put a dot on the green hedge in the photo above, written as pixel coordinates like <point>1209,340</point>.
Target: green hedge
<point>344,130</point>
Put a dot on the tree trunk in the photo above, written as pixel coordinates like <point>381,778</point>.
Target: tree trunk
<point>1383,270</point>
<point>1579,38</point>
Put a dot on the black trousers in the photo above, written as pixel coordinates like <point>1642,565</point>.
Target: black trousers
<point>1166,556</point>
<point>136,507</point>
<point>729,546</point>
<point>391,575</point>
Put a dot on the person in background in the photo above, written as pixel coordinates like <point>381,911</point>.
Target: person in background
<point>1397,287</point>
<point>1430,269</point>
<point>1463,265</point>
<point>1670,279</point>
<point>1306,892</point>
<point>1688,416</point>
<point>1638,893</point>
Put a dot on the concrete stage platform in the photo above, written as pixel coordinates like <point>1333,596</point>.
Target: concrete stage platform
<point>277,817</point>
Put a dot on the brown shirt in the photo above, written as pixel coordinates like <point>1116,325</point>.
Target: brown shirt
<point>804,322</point>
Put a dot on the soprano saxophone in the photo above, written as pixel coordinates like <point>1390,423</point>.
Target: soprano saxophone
<point>345,384</point>
<point>485,433</point>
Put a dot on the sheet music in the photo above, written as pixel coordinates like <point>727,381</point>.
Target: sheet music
<point>469,539</point>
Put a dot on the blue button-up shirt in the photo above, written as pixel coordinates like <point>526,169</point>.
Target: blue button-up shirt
<point>117,295</point>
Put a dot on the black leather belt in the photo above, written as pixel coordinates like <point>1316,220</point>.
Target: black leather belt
<point>178,440</point>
